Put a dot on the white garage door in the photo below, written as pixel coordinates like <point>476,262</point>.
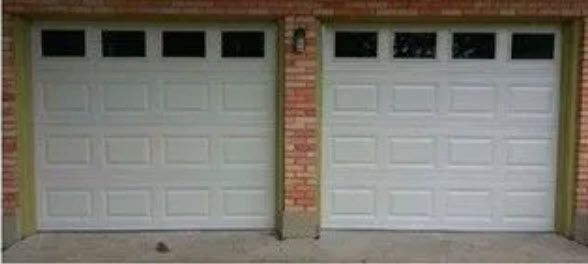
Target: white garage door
<point>440,127</point>
<point>154,126</point>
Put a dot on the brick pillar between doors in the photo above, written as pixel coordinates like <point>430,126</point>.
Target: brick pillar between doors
<point>299,214</point>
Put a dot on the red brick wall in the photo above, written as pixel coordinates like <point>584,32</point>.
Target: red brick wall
<point>301,124</point>
<point>9,186</point>
<point>304,7</point>
<point>301,115</point>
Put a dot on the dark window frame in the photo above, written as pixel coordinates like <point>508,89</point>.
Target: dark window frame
<point>376,50</point>
<point>53,54</point>
<point>495,43</point>
<point>436,47</point>
<point>512,46</point>
<point>201,54</point>
<point>103,44</point>
<point>259,54</point>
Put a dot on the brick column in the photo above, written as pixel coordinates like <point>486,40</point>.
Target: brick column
<point>581,230</point>
<point>299,215</point>
<point>9,179</point>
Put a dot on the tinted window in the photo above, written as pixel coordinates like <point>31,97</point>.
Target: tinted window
<point>242,44</point>
<point>415,45</point>
<point>356,44</point>
<point>532,46</point>
<point>123,43</point>
<point>183,44</point>
<point>66,43</point>
<point>473,45</point>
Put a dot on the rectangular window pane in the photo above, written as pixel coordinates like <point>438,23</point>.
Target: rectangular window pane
<point>532,46</point>
<point>415,45</point>
<point>123,43</point>
<point>183,44</point>
<point>63,43</point>
<point>474,45</point>
<point>248,44</point>
<point>356,44</point>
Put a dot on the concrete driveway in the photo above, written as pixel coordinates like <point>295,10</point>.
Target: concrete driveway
<point>261,246</point>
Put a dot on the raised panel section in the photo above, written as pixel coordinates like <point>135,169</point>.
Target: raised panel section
<point>526,204</point>
<point>68,203</point>
<point>470,152</point>
<point>528,152</point>
<point>128,203</point>
<point>186,150</point>
<point>413,99</point>
<point>185,96</point>
<point>355,98</point>
<point>246,150</point>
<point>468,203</point>
<point>410,203</point>
<point>353,202</point>
<point>125,97</point>
<point>472,100</point>
<point>246,97</point>
<point>127,150</point>
<point>406,151</point>
<point>251,202</point>
<point>66,97</point>
<point>68,150</point>
<point>531,100</point>
<point>353,150</point>
<point>185,202</point>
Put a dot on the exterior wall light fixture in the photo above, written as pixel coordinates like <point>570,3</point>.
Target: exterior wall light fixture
<point>299,44</point>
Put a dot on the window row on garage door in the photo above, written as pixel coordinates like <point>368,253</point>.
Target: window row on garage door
<point>405,43</point>
<point>354,42</point>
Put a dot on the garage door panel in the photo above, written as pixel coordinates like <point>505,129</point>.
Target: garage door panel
<point>527,205</point>
<point>412,99</point>
<point>156,102</point>
<point>244,151</point>
<point>354,202</point>
<point>447,99</point>
<point>469,203</point>
<point>124,204</point>
<point>186,97</point>
<point>69,204</point>
<point>125,98</point>
<point>250,98</point>
<point>470,152</point>
<point>446,144</point>
<point>246,202</point>
<point>529,152</point>
<point>412,152</point>
<point>184,202</point>
<point>153,142</point>
<point>443,148</point>
<point>354,151</point>
<point>355,98</point>
<point>75,97</point>
<point>127,150</point>
<point>187,150</point>
<point>531,100</point>
<point>411,204</point>
<point>67,150</point>
<point>463,100</point>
